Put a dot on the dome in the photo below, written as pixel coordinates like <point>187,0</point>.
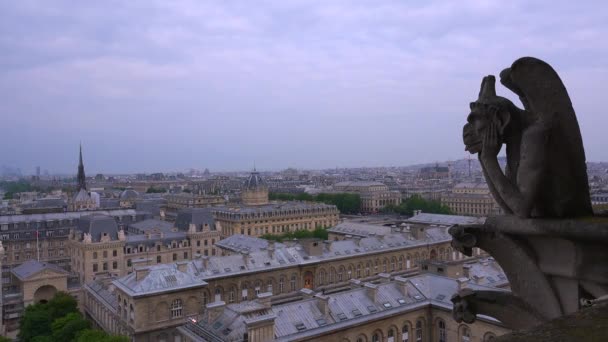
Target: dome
<point>129,194</point>
<point>255,181</point>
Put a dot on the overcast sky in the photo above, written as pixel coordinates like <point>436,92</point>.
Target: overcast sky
<point>168,85</point>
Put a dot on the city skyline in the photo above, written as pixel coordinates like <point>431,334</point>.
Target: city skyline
<point>170,86</point>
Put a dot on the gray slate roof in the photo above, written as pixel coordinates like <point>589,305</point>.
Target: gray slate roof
<point>197,216</point>
<point>97,225</point>
<point>304,320</point>
<point>445,220</point>
<point>287,255</point>
<point>31,267</point>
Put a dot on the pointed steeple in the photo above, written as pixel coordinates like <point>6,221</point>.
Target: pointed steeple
<point>81,177</point>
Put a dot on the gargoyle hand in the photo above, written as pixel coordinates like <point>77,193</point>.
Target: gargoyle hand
<point>463,241</point>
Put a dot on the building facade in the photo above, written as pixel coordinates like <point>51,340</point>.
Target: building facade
<point>472,199</point>
<point>374,195</point>
<point>160,298</point>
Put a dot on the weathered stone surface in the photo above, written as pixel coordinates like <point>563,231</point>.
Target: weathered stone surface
<point>589,325</point>
<point>546,174</point>
<point>551,247</point>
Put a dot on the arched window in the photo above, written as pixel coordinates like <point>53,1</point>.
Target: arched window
<point>441,328</point>
<point>349,274</point>
<point>376,337</point>
<point>269,285</point>
<point>322,277</point>
<point>385,265</point>
<point>232,294</point>
<point>390,335</point>
<point>465,334</point>
<point>418,331</point>
<point>489,337</point>
<point>393,264</point>
<point>293,282</point>
<point>408,263</point>
<point>218,294</point>
<point>359,271</point>
<point>205,298</point>
<point>281,284</point>
<point>361,338</point>
<point>405,333</point>
<point>332,275</point>
<point>341,274</point>
<point>367,269</point>
<point>176,308</point>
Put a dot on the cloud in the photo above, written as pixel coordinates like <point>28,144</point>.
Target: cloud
<point>307,83</point>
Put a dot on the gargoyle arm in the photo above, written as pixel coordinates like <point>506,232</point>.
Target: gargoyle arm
<point>520,197</point>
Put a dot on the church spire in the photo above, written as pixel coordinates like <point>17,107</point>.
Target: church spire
<point>81,178</point>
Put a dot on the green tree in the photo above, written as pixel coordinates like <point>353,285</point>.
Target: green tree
<point>90,335</point>
<point>67,327</point>
<point>5,339</point>
<point>36,321</point>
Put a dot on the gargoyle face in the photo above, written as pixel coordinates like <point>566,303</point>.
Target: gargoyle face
<point>478,121</point>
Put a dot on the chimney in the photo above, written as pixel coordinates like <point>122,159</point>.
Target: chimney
<point>354,283</point>
<point>402,284</point>
<point>205,261</point>
<point>271,251</point>
<point>141,273</point>
<point>215,310</point>
<point>246,257</point>
<point>465,270</point>
<point>323,304</point>
<point>192,228</point>
<point>372,291</point>
<point>462,283</point>
<point>264,299</point>
<point>384,277</point>
<point>357,240</point>
<point>307,293</point>
<point>182,266</point>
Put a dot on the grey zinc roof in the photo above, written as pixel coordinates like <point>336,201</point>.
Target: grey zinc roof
<point>359,229</point>
<point>98,225</point>
<point>359,183</point>
<point>239,242</point>
<point>81,196</point>
<point>274,207</point>
<point>62,216</point>
<point>160,278</point>
<point>292,253</point>
<point>254,181</point>
<point>129,194</point>
<point>448,220</point>
<point>152,224</point>
<point>31,267</point>
<point>303,319</point>
<point>197,216</point>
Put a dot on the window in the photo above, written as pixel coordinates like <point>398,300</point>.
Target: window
<point>198,243</point>
<point>206,243</point>
<point>94,255</point>
<point>441,327</point>
<point>105,254</point>
<point>205,298</point>
<point>176,308</point>
<point>419,331</point>
<point>105,266</point>
<point>158,248</point>
<point>244,295</point>
<point>405,334</point>
<point>465,334</point>
<point>293,282</point>
<point>376,337</point>
<point>390,336</point>
<point>174,256</point>
<point>114,253</point>
<point>185,255</point>
<point>231,295</point>
<point>95,268</point>
<point>158,259</point>
<point>128,262</point>
<point>114,265</point>
<point>281,284</point>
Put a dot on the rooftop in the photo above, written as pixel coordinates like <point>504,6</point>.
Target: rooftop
<point>308,318</point>
<point>447,220</point>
